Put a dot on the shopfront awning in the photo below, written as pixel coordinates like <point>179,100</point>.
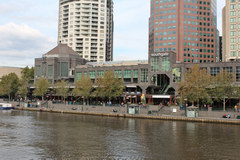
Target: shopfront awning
<point>161,96</point>
<point>131,86</point>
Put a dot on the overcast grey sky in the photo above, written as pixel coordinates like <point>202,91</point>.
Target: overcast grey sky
<point>28,29</point>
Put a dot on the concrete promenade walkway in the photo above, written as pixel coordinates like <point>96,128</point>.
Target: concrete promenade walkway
<point>121,112</point>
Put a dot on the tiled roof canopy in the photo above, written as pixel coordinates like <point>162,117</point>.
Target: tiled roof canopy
<point>61,50</point>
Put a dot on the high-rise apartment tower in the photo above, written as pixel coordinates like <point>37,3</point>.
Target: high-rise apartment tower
<point>231,30</point>
<point>87,27</point>
<point>186,27</point>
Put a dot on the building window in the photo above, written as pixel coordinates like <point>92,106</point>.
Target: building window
<point>238,73</point>
<point>86,74</point>
<point>50,71</point>
<point>100,73</point>
<point>38,71</point>
<point>228,69</point>
<point>78,76</point>
<point>127,74</point>
<point>44,68</point>
<point>165,64</point>
<point>92,74</point>
<point>144,75</point>
<point>155,64</point>
<point>118,73</point>
<point>214,71</point>
<point>135,73</point>
<point>64,69</point>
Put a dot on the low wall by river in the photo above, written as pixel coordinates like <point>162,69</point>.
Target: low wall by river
<point>217,114</point>
<point>141,116</point>
<point>152,110</point>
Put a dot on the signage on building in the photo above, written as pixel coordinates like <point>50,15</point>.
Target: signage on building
<point>160,54</point>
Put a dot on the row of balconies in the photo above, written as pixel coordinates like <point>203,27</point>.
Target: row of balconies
<point>81,12</point>
<point>65,25</point>
<point>87,4</point>
<point>86,35</point>
<point>78,22</point>
<point>86,27</point>
<point>93,57</point>
<point>87,22</point>
<point>88,10</point>
<point>85,30</point>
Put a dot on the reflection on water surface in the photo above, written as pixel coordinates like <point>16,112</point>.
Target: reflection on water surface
<point>35,135</point>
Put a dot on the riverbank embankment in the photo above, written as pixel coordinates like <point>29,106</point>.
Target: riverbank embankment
<point>121,113</point>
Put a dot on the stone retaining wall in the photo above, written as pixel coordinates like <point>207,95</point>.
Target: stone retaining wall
<point>154,110</point>
<point>170,118</point>
<point>217,114</point>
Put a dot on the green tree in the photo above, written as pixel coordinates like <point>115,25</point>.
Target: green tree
<point>223,89</point>
<point>9,85</point>
<point>194,86</point>
<point>41,87</point>
<point>23,88</point>
<point>27,74</point>
<point>237,93</point>
<point>108,86</point>
<point>83,88</point>
<point>62,89</point>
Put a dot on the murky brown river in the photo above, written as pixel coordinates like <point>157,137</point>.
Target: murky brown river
<point>32,135</point>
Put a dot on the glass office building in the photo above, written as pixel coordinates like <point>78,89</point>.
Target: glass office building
<point>186,27</point>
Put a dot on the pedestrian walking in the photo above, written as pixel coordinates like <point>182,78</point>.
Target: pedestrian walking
<point>235,108</point>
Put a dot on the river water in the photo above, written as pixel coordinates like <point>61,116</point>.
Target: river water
<point>35,135</point>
